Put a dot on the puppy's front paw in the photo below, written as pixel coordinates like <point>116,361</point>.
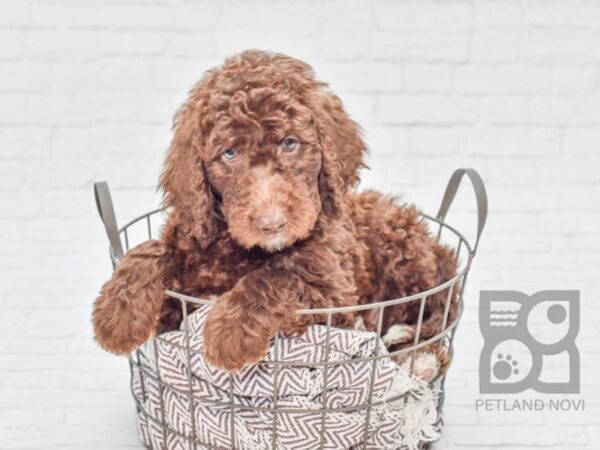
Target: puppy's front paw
<point>127,311</point>
<point>123,333</point>
<point>229,342</point>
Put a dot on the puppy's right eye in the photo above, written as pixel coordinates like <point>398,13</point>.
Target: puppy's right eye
<point>229,154</point>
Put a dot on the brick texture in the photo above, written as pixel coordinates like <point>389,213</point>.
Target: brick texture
<point>87,92</point>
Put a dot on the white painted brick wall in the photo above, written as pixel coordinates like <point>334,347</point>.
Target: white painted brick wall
<point>87,92</point>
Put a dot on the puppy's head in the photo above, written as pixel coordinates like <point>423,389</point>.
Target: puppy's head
<point>262,147</point>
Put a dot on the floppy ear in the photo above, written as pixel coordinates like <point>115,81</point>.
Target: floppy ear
<point>184,181</point>
<point>342,150</point>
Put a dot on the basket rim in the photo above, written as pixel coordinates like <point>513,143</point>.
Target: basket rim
<point>337,309</point>
<point>390,354</point>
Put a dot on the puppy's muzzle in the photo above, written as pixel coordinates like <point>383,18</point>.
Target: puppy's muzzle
<point>271,223</point>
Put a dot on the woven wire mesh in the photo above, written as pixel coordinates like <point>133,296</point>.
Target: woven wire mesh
<point>146,225</point>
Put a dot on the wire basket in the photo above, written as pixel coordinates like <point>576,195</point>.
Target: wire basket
<point>144,363</point>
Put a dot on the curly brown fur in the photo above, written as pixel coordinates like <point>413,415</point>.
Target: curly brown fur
<point>259,184</point>
<point>127,311</point>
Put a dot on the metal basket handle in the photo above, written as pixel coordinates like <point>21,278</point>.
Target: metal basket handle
<point>107,214</point>
<point>480,195</point>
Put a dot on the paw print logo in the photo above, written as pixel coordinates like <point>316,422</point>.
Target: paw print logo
<point>509,363</point>
<point>523,335</point>
<point>505,367</point>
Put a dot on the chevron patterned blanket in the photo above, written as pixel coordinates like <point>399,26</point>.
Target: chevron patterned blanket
<point>404,414</point>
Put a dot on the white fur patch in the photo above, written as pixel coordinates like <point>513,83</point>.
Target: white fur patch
<point>359,324</point>
<point>426,365</point>
<point>275,244</point>
<point>398,334</point>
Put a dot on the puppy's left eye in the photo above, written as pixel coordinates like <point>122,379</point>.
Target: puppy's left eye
<point>289,144</point>
<point>229,154</point>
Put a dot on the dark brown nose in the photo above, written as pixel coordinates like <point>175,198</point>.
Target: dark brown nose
<point>271,223</point>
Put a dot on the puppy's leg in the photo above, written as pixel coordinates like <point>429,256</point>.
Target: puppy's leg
<point>241,322</point>
<point>237,334</point>
<point>126,314</point>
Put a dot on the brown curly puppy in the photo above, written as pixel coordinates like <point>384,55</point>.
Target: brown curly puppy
<point>258,181</point>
